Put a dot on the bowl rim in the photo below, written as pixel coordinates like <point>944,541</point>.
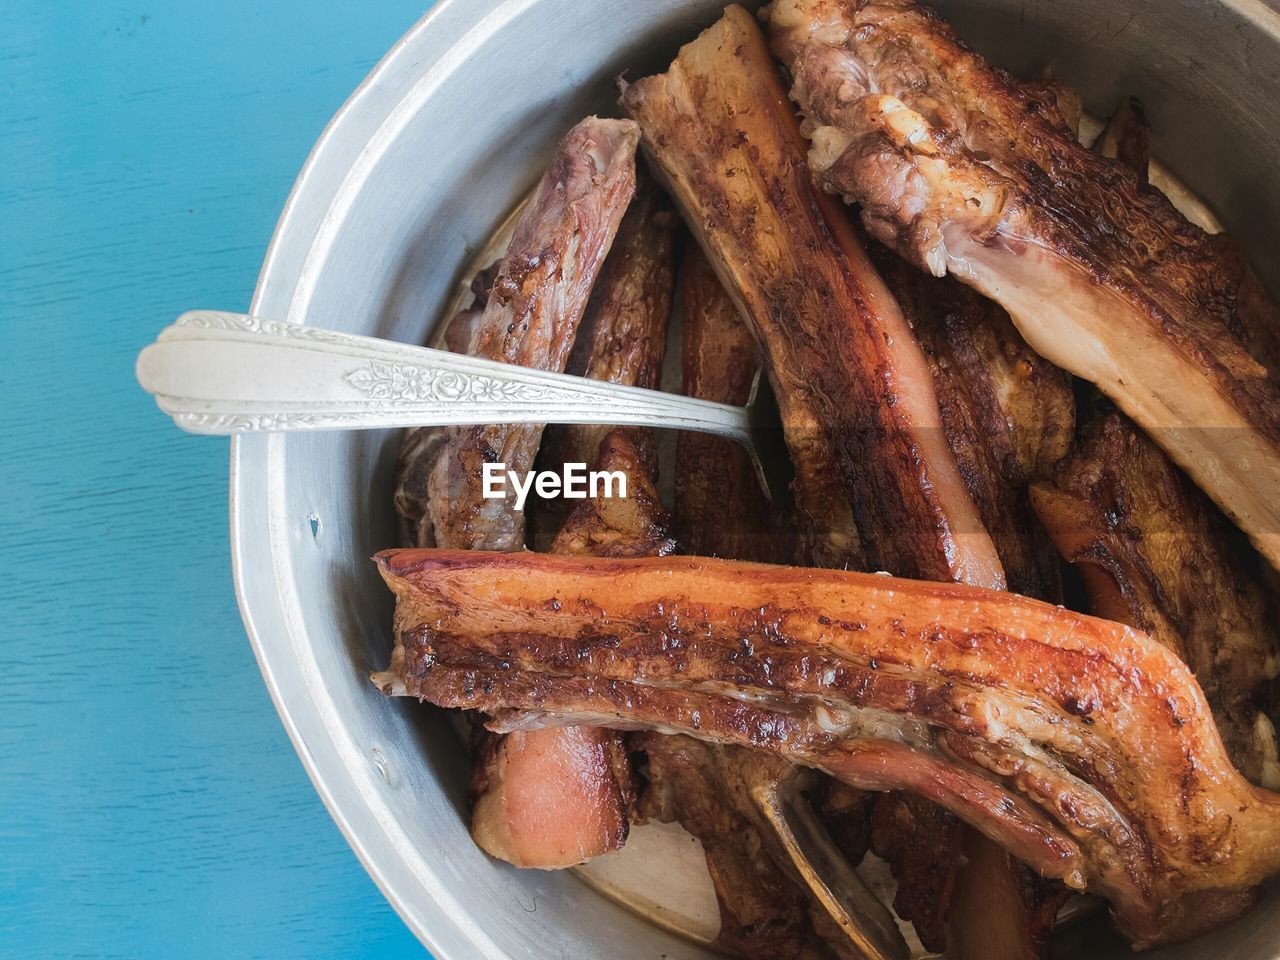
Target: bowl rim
<point>434,42</point>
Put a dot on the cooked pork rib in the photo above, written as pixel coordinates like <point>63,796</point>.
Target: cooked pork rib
<point>875,482</point>
<point>570,790</point>
<point>1155,554</point>
<point>1009,414</point>
<point>624,332</point>
<point>771,904</point>
<point>720,510</point>
<point>1083,746</point>
<point>961,169</point>
<point>533,310</point>
<point>544,798</point>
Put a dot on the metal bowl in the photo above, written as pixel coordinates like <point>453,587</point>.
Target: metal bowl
<point>414,173</point>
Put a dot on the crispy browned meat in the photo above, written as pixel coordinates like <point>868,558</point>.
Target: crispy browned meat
<point>533,310</point>
<point>766,910</point>
<point>720,510</point>
<point>1083,746</point>
<point>545,798</point>
<point>624,331</point>
<point>875,483</point>
<point>924,844</point>
<point>764,913</point>
<point>1008,414</point>
<point>959,168</point>
<point>1127,137</point>
<point>636,525</point>
<point>1154,553</point>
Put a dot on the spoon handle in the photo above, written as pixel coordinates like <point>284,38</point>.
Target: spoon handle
<point>224,373</point>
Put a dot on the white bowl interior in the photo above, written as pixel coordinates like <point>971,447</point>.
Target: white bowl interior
<point>419,168</point>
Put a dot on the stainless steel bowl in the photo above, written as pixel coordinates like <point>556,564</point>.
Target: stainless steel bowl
<point>417,169</point>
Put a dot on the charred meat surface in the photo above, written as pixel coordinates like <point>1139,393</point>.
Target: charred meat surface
<point>1008,414</point>
<point>876,485</point>
<point>532,312</point>
<point>623,335</point>
<point>1082,746</point>
<point>1154,553</point>
<point>720,510</point>
<point>635,525</point>
<point>962,169</point>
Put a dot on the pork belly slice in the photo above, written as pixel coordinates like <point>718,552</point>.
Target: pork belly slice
<point>1154,553</point>
<point>964,170</point>
<point>1083,746</point>
<point>720,510</point>
<point>876,485</point>
<point>532,313</point>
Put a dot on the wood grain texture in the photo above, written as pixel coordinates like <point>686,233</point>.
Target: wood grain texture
<point>145,811</point>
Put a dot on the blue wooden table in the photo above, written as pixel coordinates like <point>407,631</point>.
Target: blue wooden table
<point>150,803</point>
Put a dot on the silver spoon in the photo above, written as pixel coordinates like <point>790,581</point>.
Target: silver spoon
<point>227,373</point>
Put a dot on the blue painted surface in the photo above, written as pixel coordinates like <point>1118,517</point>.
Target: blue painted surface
<point>150,802</point>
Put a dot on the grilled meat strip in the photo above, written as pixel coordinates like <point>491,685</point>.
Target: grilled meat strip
<point>556,796</point>
<point>1081,745</point>
<point>1155,554</point>
<point>720,510</point>
<point>552,798</point>
<point>1008,414</point>
<point>961,169</point>
<point>532,312</point>
<point>1009,417</point>
<point>624,332</point>
<point>875,484</point>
